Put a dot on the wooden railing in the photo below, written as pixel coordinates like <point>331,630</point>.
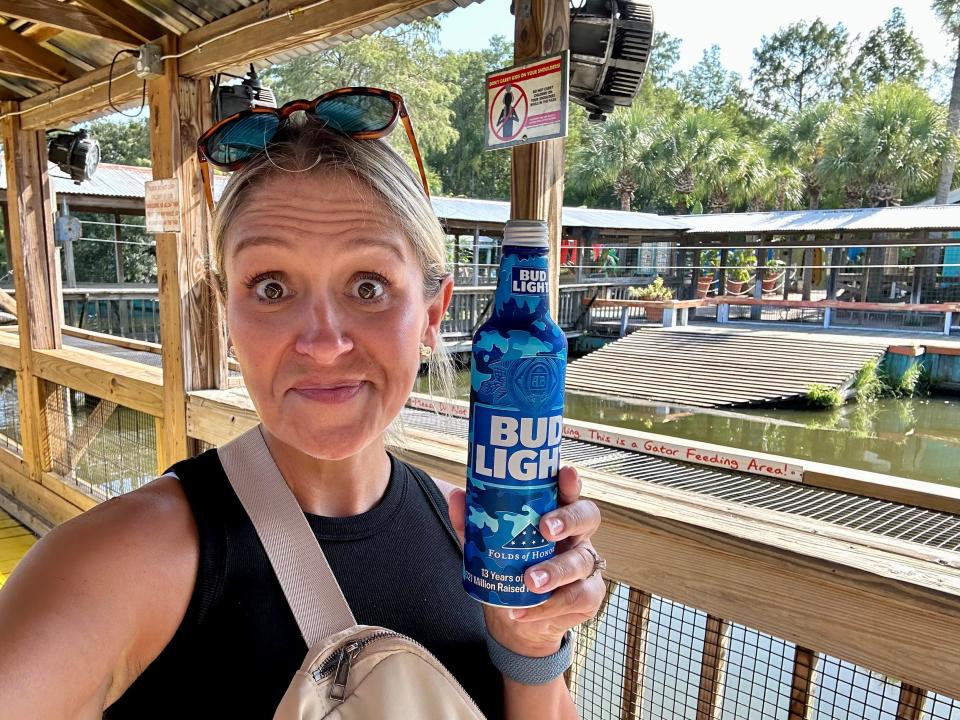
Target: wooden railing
<point>822,590</point>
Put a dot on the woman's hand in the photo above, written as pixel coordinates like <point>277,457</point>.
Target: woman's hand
<point>577,591</point>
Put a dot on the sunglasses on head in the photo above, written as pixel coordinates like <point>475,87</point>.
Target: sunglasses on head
<point>362,113</point>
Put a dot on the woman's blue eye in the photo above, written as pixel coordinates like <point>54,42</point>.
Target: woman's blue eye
<point>368,289</point>
<point>270,290</point>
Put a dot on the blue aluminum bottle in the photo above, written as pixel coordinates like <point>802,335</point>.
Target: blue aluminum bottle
<point>518,366</point>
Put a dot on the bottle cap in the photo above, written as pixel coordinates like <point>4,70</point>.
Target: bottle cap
<point>526,233</point>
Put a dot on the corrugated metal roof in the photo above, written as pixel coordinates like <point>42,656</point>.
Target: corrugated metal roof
<point>915,217</point>
<point>498,211</point>
<point>182,16</point>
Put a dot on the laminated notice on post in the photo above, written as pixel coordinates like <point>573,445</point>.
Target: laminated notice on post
<point>162,205</point>
<point>527,103</point>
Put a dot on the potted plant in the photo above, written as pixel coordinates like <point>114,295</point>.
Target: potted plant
<point>654,291</point>
<point>711,259</point>
<point>738,274</point>
<point>772,277</point>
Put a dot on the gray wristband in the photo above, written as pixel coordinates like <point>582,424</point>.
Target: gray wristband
<point>531,670</point>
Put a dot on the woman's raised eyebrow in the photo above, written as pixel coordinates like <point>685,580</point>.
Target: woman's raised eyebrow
<point>257,240</point>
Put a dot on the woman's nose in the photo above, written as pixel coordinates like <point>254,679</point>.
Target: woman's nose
<point>323,334</point>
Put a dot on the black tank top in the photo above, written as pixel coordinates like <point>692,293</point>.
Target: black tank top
<point>238,646</point>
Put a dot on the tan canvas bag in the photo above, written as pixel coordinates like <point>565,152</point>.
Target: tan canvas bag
<point>351,672</point>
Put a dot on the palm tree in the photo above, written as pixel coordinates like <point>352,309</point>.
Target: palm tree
<point>887,143</point>
<point>739,174</point>
<point>691,151</point>
<point>949,14</point>
<point>616,154</point>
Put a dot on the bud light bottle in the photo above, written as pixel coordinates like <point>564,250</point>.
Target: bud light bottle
<point>518,365</point>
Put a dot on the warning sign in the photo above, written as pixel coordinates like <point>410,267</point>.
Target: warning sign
<point>162,205</point>
<point>527,103</point>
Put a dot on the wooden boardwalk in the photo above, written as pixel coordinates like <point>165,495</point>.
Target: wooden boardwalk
<point>15,540</point>
<point>720,368</point>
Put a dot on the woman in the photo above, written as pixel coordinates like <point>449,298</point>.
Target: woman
<point>331,265</point>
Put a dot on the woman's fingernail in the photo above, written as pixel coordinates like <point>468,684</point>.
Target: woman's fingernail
<point>539,578</point>
<point>555,525</point>
<point>517,614</point>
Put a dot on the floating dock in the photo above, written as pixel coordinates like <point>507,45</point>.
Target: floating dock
<point>716,368</point>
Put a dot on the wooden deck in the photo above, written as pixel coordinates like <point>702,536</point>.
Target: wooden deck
<point>15,540</point>
<point>718,367</point>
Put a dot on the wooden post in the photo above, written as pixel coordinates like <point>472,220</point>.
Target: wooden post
<point>68,264</point>
<point>756,312</point>
<point>32,258</point>
<point>191,330</point>
<point>833,272</point>
<point>804,663</point>
<point>722,274</point>
<point>476,257</point>
<point>118,248</point>
<point>710,695</point>
<point>638,622</point>
<point>910,703</point>
<point>542,27</point>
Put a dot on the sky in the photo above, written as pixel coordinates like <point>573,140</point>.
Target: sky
<point>737,26</point>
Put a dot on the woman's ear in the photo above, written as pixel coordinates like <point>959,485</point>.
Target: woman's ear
<point>436,309</point>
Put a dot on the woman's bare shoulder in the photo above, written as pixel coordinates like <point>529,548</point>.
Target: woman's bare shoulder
<point>102,594</point>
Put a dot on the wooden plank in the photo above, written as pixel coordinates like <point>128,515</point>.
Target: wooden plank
<point>126,383</point>
<point>194,347</point>
<point>910,703</point>
<point>141,26</point>
<point>635,653</point>
<point>15,66</point>
<point>10,350</point>
<point>33,261</point>
<point>62,68</point>
<point>61,16</point>
<point>79,99</point>
<point>16,482</point>
<point>215,420</point>
<point>114,340</point>
<point>541,27</point>
<point>801,683</point>
<point>713,663</point>
<point>241,37</point>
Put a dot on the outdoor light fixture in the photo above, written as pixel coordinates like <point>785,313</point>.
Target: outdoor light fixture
<point>249,93</point>
<point>610,42</point>
<point>76,153</point>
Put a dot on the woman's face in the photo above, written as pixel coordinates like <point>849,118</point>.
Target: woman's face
<point>326,311</point>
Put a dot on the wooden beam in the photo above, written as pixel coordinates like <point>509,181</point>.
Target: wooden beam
<point>78,99</point>
<point>542,27</point>
<point>710,692</point>
<point>801,684</point>
<point>635,653</point>
<point>17,67</point>
<point>194,335</point>
<point>40,33</point>
<point>292,28</point>
<point>33,53</point>
<point>76,448</point>
<point>37,283</point>
<point>910,703</point>
<point>7,303</point>
<point>61,16</point>
<point>140,26</point>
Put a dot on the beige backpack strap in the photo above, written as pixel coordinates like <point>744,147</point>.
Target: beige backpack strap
<point>308,582</point>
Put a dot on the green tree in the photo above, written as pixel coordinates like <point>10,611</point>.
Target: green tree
<point>708,84</point>
<point>799,65</point>
<point>464,166</point>
<point>404,59</point>
<point>888,144</point>
<point>949,13</point>
<point>890,53</point>
<point>664,56</point>
<point>799,142</point>
<point>615,155</point>
<point>691,152</point>
<point>122,141</point>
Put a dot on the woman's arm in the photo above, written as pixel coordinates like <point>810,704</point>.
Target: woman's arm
<point>94,602</point>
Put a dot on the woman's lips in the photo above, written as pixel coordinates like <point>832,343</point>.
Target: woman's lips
<point>332,394</point>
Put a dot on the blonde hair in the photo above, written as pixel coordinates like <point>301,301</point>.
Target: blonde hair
<point>304,147</point>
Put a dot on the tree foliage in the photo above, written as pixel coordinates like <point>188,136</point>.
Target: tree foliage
<point>799,65</point>
<point>124,142</point>
<point>709,84</point>
<point>890,53</point>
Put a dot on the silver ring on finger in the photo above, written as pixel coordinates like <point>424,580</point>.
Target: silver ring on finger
<point>599,563</point>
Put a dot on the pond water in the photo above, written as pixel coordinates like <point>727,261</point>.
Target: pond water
<point>916,438</point>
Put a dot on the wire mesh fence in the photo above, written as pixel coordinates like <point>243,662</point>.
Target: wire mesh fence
<point>646,657</point>
<point>104,448</point>
<point>10,409</point>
